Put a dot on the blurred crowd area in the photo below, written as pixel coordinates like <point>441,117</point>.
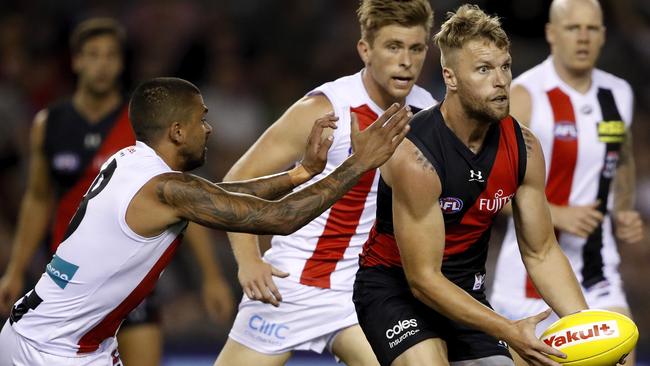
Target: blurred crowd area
<point>252,59</point>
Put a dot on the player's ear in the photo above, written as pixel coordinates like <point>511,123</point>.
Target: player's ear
<point>549,33</point>
<point>176,132</point>
<point>363,47</point>
<point>449,76</point>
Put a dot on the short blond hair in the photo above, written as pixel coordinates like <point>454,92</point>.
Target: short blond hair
<point>470,23</point>
<point>375,14</point>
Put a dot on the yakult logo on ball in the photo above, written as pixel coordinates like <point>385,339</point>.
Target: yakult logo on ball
<point>583,333</point>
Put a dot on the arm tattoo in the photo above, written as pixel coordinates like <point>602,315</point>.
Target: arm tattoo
<point>198,200</point>
<point>424,162</point>
<point>529,140</point>
<point>268,187</point>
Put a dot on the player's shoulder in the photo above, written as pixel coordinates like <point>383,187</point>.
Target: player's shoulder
<point>347,86</point>
<point>60,105</point>
<point>420,98</point>
<point>611,81</point>
<point>532,77</point>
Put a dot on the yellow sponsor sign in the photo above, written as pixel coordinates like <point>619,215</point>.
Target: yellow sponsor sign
<point>611,131</point>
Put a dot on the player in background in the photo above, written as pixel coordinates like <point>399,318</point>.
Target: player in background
<point>316,265</point>
<point>70,140</point>
<point>130,221</point>
<point>582,117</point>
<point>423,266</point>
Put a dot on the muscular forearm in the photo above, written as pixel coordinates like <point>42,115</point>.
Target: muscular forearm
<point>554,279</point>
<point>32,225</point>
<point>437,292</point>
<point>269,187</point>
<point>200,201</point>
<point>299,208</point>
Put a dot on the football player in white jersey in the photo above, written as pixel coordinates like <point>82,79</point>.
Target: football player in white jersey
<point>582,117</point>
<point>129,223</point>
<point>96,112</point>
<point>315,267</point>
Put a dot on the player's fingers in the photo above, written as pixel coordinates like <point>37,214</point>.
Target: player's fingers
<point>278,273</point>
<point>385,117</point>
<point>590,222</point>
<point>274,290</point>
<point>250,293</point>
<point>541,316</point>
<point>325,145</point>
<point>596,215</point>
<point>354,124</point>
<point>397,121</point>
<point>400,137</point>
<point>581,230</point>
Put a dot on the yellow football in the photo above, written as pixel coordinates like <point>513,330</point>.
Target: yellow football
<point>592,338</point>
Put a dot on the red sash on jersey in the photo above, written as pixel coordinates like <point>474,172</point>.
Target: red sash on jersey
<point>342,221</point>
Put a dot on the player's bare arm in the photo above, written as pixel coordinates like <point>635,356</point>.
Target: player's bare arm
<point>33,218</point>
<point>420,234</point>
<point>629,226</point>
<point>278,148</point>
<point>177,196</point>
<point>521,104</point>
<point>544,260</point>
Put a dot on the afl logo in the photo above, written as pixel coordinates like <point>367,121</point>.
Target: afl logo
<point>565,131</point>
<point>450,205</point>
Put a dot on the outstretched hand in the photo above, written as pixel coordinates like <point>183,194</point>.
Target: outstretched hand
<point>315,157</point>
<point>377,143</point>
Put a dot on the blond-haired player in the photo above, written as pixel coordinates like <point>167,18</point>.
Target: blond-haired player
<point>317,264</point>
<point>420,290</point>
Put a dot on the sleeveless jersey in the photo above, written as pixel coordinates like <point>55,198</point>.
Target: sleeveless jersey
<point>75,150</point>
<point>580,135</point>
<point>324,253</point>
<point>474,189</point>
<point>102,269</point>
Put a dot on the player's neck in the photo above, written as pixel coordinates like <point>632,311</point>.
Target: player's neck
<point>469,131</point>
<point>93,107</point>
<point>580,81</point>
<point>376,93</point>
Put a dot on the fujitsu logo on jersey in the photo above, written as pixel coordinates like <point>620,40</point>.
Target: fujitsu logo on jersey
<point>565,131</point>
<point>583,333</point>
<point>495,204</point>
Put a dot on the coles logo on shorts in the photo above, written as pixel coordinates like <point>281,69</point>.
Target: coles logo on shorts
<point>61,271</point>
<point>402,330</point>
<point>450,205</point>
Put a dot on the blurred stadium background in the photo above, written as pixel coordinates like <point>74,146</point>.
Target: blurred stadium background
<point>252,59</point>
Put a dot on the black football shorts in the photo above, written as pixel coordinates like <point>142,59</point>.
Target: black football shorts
<point>393,320</point>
